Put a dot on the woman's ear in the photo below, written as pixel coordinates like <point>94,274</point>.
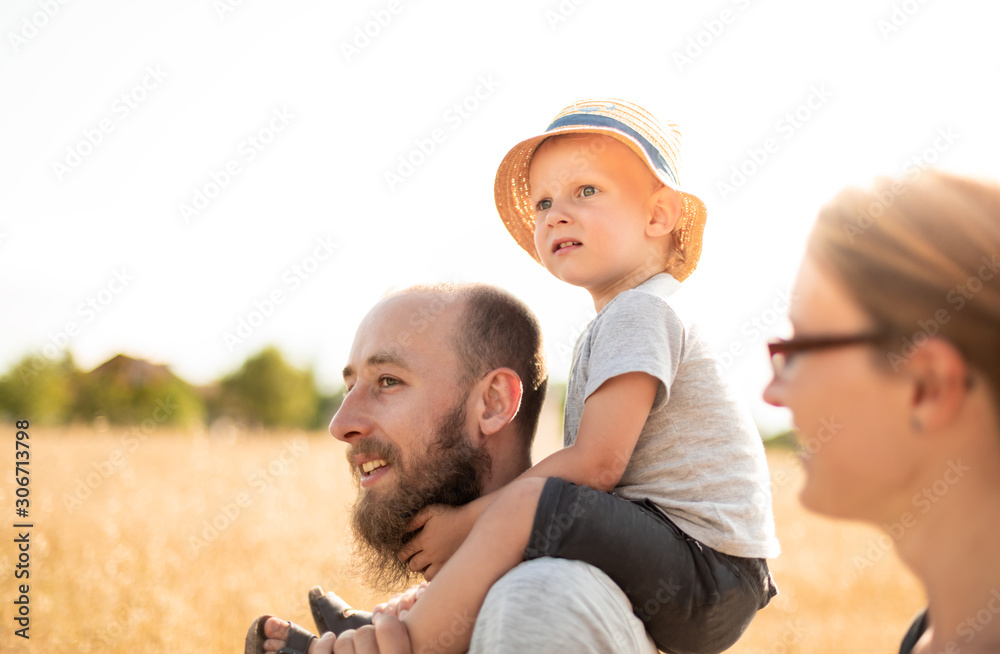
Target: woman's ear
<point>940,383</point>
<point>665,210</point>
<point>498,400</point>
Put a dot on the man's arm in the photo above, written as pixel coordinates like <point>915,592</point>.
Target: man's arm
<point>557,605</point>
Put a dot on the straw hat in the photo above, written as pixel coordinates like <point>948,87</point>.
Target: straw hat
<point>629,123</point>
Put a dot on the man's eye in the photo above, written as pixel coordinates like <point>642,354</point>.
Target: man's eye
<point>544,205</point>
<point>388,381</point>
<point>587,191</point>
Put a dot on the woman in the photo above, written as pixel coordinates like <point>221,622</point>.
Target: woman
<point>896,315</point>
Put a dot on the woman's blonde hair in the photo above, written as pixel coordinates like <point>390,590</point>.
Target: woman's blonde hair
<point>921,256</point>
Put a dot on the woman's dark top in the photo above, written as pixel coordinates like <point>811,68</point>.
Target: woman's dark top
<point>914,633</point>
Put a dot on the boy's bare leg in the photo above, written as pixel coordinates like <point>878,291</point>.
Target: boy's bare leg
<point>442,620</point>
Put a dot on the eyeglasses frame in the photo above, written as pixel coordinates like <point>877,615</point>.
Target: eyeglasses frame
<point>792,346</point>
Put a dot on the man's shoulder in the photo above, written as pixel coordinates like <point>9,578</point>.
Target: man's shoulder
<point>549,601</point>
<point>538,575</point>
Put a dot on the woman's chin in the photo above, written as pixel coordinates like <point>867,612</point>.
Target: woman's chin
<point>829,505</point>
<point>815,502</point>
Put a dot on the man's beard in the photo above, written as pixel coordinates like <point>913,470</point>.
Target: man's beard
<point>451,472</point>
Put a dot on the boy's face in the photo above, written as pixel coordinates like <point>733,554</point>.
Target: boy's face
<point>593,199</point>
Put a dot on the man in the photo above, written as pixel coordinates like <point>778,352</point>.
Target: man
<point>444,389</point>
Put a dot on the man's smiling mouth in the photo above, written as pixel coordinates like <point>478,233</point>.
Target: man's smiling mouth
<point>368,467</point>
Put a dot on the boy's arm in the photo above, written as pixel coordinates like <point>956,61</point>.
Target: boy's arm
<point>613,417</point>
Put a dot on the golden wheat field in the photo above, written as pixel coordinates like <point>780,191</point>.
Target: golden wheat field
<point>175,542</point>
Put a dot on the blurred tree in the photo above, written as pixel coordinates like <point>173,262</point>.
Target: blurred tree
<point>269,392</point>
<point>785,440</point>
<point>326,406</point>
<point>129,391</point>
<point>40,389</point>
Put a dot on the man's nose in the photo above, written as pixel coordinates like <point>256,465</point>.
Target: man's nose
<point>352,418</point>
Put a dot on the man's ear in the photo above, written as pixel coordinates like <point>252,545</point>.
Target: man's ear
<point>940,383</point>
<point>665,210</point>
<point>498,399</point>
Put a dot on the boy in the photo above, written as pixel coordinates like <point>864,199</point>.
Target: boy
<point>662,482</point>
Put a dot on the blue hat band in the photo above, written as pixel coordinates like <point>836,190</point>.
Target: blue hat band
<point>593,120</point>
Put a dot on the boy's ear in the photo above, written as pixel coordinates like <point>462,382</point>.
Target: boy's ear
<point>665,210</point>
<point>498,397</point>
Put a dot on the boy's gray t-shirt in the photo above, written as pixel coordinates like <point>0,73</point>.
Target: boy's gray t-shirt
<point>699,456</point>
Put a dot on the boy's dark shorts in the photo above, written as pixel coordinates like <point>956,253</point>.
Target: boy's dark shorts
<point>692,599</point>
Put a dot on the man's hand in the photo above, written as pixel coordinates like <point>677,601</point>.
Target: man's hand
<point>400,604</point>
<point>442,530</point>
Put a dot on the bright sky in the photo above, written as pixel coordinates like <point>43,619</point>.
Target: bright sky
<point>167,170</point>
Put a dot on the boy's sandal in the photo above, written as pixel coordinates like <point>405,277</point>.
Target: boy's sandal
<point>330,613</point>
<point>297,642</point>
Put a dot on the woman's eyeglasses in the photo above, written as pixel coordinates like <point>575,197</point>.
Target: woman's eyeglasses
<point>783,350</point>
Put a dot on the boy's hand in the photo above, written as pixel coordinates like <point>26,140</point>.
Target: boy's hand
<point>385,635</point>
<point>399,605</point>
<point>442,530</point>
